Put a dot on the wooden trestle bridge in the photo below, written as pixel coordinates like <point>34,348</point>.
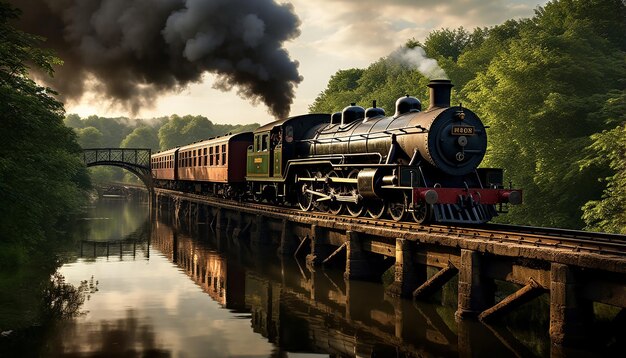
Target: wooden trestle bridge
<point>575,268</point>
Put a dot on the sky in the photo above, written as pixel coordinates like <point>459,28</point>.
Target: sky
<point>334,35</point>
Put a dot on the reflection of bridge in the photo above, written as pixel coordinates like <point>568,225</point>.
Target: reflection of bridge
<point>126,246</point>
<point>320,311</point>
<point>135,160</point>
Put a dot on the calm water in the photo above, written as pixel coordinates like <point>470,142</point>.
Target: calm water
<point>166,291</point>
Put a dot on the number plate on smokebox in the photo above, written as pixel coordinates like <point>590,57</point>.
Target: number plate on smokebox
<point>462,130</point>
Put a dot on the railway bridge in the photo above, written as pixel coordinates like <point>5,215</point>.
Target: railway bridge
<point>574,268</point>
<point>135,160</point>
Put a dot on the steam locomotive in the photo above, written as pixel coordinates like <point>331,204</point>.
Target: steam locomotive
<point>418,164</point>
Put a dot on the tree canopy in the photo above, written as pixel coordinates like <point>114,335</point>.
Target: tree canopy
<point>42,178</point>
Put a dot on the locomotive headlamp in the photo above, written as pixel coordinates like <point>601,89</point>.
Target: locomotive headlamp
<point>460,115</point>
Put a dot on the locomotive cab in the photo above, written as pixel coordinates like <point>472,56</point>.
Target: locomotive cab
<point>275,144</point>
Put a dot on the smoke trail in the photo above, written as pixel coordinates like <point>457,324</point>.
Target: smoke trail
<point>416,58</point>
<point>130,51</point>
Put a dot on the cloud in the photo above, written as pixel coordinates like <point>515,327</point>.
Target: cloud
<point>368,29</point>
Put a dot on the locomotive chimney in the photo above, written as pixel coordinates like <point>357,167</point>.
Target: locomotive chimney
<point>440,93</point>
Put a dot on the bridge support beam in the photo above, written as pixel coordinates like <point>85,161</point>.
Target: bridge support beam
<point>569,313</point>
<point>288,240</point>
<point>358,267</point>
<point>526,294</point>
<point>476,292</point>
<point>260,235</point>
<point>319,250</point>
<point>436,282</point>
<point>408,275</point>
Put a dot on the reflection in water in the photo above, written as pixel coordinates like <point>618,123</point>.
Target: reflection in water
<point>148,306</point>
<point>115,220</point>
<point>210,294</point>
<point>123,337</point>
<point>318,312</point>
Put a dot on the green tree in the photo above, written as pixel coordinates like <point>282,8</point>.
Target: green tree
<point>447,43</point>
<point>339,92</point>
<point>539,96</point>
<point>89,137</point>
<point>142,137</point>
<point>184,130</point>
<point>609,149</point>
<point>73,121</point>
<point>42,178</point>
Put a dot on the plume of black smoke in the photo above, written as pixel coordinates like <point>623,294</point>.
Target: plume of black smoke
<point>129,51</point>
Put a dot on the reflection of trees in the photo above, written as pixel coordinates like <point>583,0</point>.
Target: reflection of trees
<point>62,300</point>
<point>124,337</point>
<point>112,220</point>
<point>57,301</point>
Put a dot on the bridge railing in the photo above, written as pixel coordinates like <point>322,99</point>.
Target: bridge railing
<point>134,156</point>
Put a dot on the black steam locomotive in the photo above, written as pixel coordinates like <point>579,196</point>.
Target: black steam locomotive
<point>422,164</point>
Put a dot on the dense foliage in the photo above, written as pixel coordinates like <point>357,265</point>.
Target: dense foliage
<point>551,88</point>
<point>42,178</point>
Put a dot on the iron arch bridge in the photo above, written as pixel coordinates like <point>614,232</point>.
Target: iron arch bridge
<point>135,160</point>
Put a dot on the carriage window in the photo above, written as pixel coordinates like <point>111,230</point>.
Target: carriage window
<point>205,157</point>
<point>223,154</point>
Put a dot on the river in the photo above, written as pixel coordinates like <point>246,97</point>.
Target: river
<point>154,288</point>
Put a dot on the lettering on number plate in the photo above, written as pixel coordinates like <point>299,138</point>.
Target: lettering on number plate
<point>462,130</point>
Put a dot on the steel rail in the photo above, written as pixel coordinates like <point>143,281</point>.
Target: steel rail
<point>575,240</point>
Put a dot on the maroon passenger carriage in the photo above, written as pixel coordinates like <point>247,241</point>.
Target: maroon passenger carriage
<point>215,166</point>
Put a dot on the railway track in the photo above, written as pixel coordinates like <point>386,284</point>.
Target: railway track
<point>575,240</point>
